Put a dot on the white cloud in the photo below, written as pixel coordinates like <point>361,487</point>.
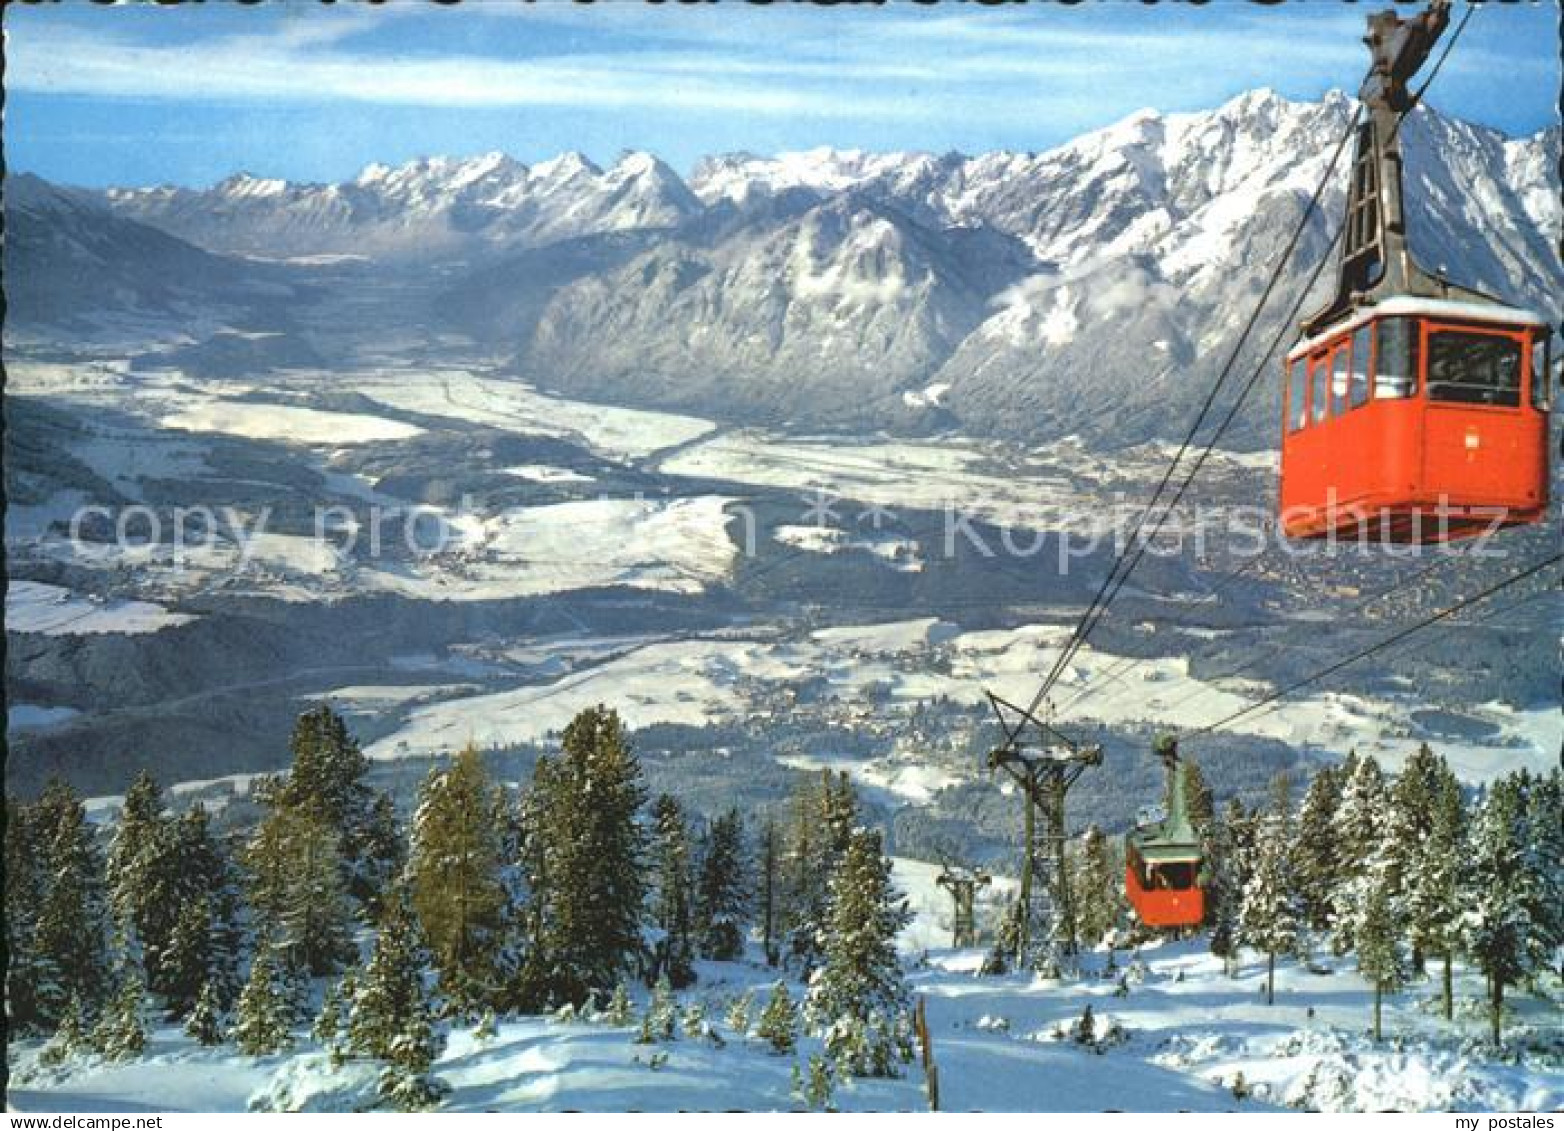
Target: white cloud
<point>989,68</point>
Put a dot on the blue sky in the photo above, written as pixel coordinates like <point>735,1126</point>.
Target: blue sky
<point>296,89</point>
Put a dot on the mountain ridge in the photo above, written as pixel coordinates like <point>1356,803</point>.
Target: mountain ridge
<point>1094,287</point>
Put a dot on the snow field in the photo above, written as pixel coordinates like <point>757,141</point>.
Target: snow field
<point>32,606</point>
<point>1191,1030</point>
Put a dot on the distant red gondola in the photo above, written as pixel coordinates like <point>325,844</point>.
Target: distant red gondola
<point>1164,877</point>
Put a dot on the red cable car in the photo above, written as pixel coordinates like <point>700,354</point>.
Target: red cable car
<point>1420,420</point>
<point>1415,408</point>
<point>1164,861</point>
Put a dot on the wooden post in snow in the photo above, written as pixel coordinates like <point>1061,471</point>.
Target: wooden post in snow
<point>920,1026</point>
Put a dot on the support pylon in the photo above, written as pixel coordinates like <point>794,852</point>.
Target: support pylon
<point>1044,764</point>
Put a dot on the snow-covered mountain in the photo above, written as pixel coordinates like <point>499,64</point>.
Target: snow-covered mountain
<point>435,205</point>
<point>1096,287</point>
<point>70,262</point>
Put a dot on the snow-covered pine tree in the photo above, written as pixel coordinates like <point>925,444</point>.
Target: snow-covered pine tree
<point>326,780</point>
<point>297,888</point>
<point>1435,902</point>
<point>1381,941</point>
<point>121,1033</point>
<point>824,815</point>
<point>204,1024</point>
<point>328,770</point>
<point>673,953</point>
<point>263,1019</point>
<point>455,880</point>
<point>70,1038</point>
<point>137,873</point>
<point>582,860</point>
<point>72,928</point>
<point>770,880</point>
<point>1200,803</point>
<point>1227,874</point>
<point>186,967</point>
<point>1544,852</point>
<point>380,852</point>
<point>1506,926</point>
<point>778,1025</point>
<point>722,894</point>
<point>1315,852</point>
<point>25,885</point>
<point>619,1008</point>
<point>1098,888</point>
<point>175,899</point>
<point>1269,916</point>
<point>391,1015</point>
<point>662,1011</point>
<point>737,1017</point>
<point>858,999</point>
<point>210,894</point>
<point>1360,829</point>
<point>692,1020</point>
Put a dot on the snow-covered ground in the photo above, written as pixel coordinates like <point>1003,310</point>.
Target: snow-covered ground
<point>32,606</point>
<point>288,423</point>
<point>900,664</point>
<point>616,433</point>
<point>1190,1031</point>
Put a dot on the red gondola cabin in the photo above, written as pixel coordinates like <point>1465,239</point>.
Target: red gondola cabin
<point>1163,862</point>
<point>1415,408</point>
<point>1417,420</point>
<point>1162,882</point>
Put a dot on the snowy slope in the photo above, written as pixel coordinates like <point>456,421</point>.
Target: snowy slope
<point>1191,1031</point>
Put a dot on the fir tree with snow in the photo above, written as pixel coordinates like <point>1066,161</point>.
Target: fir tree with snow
<point>1228,873</point>
<point>1511,928</point>
<point>820,1084</point>
<point>70,1038</point>
<point>263,1019</point>
<point>379,852</point>
<point>326,781</point>
<point>1359,829</point>
<point>737,1017</point>
<point>135,872</point>
<point>692,1020</point>
<point>1381,942</point>
<point>824,815</point>
<point>858,999</point>
<point>582,859</point>
<point>391,1016</point>
<point>211,901</point>
<point>1200,803</point>
<point>620,1010</point>
<point>1098,888</point>
<point>673,952</point>
<point>121,1033</point>
<point>330,1025</point>
<point>1315,858</point>
<point>722,893</point>
<point>1268,919</point>
<point>297,888</point>
<point>770,881</point>
<point>778,1025</point>
<point>662,1012</point>
<point>454,877</point>
<point>70,934</point>
<point>204,1023</point>
<point>25,884</point>
<point>1435,901</point>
